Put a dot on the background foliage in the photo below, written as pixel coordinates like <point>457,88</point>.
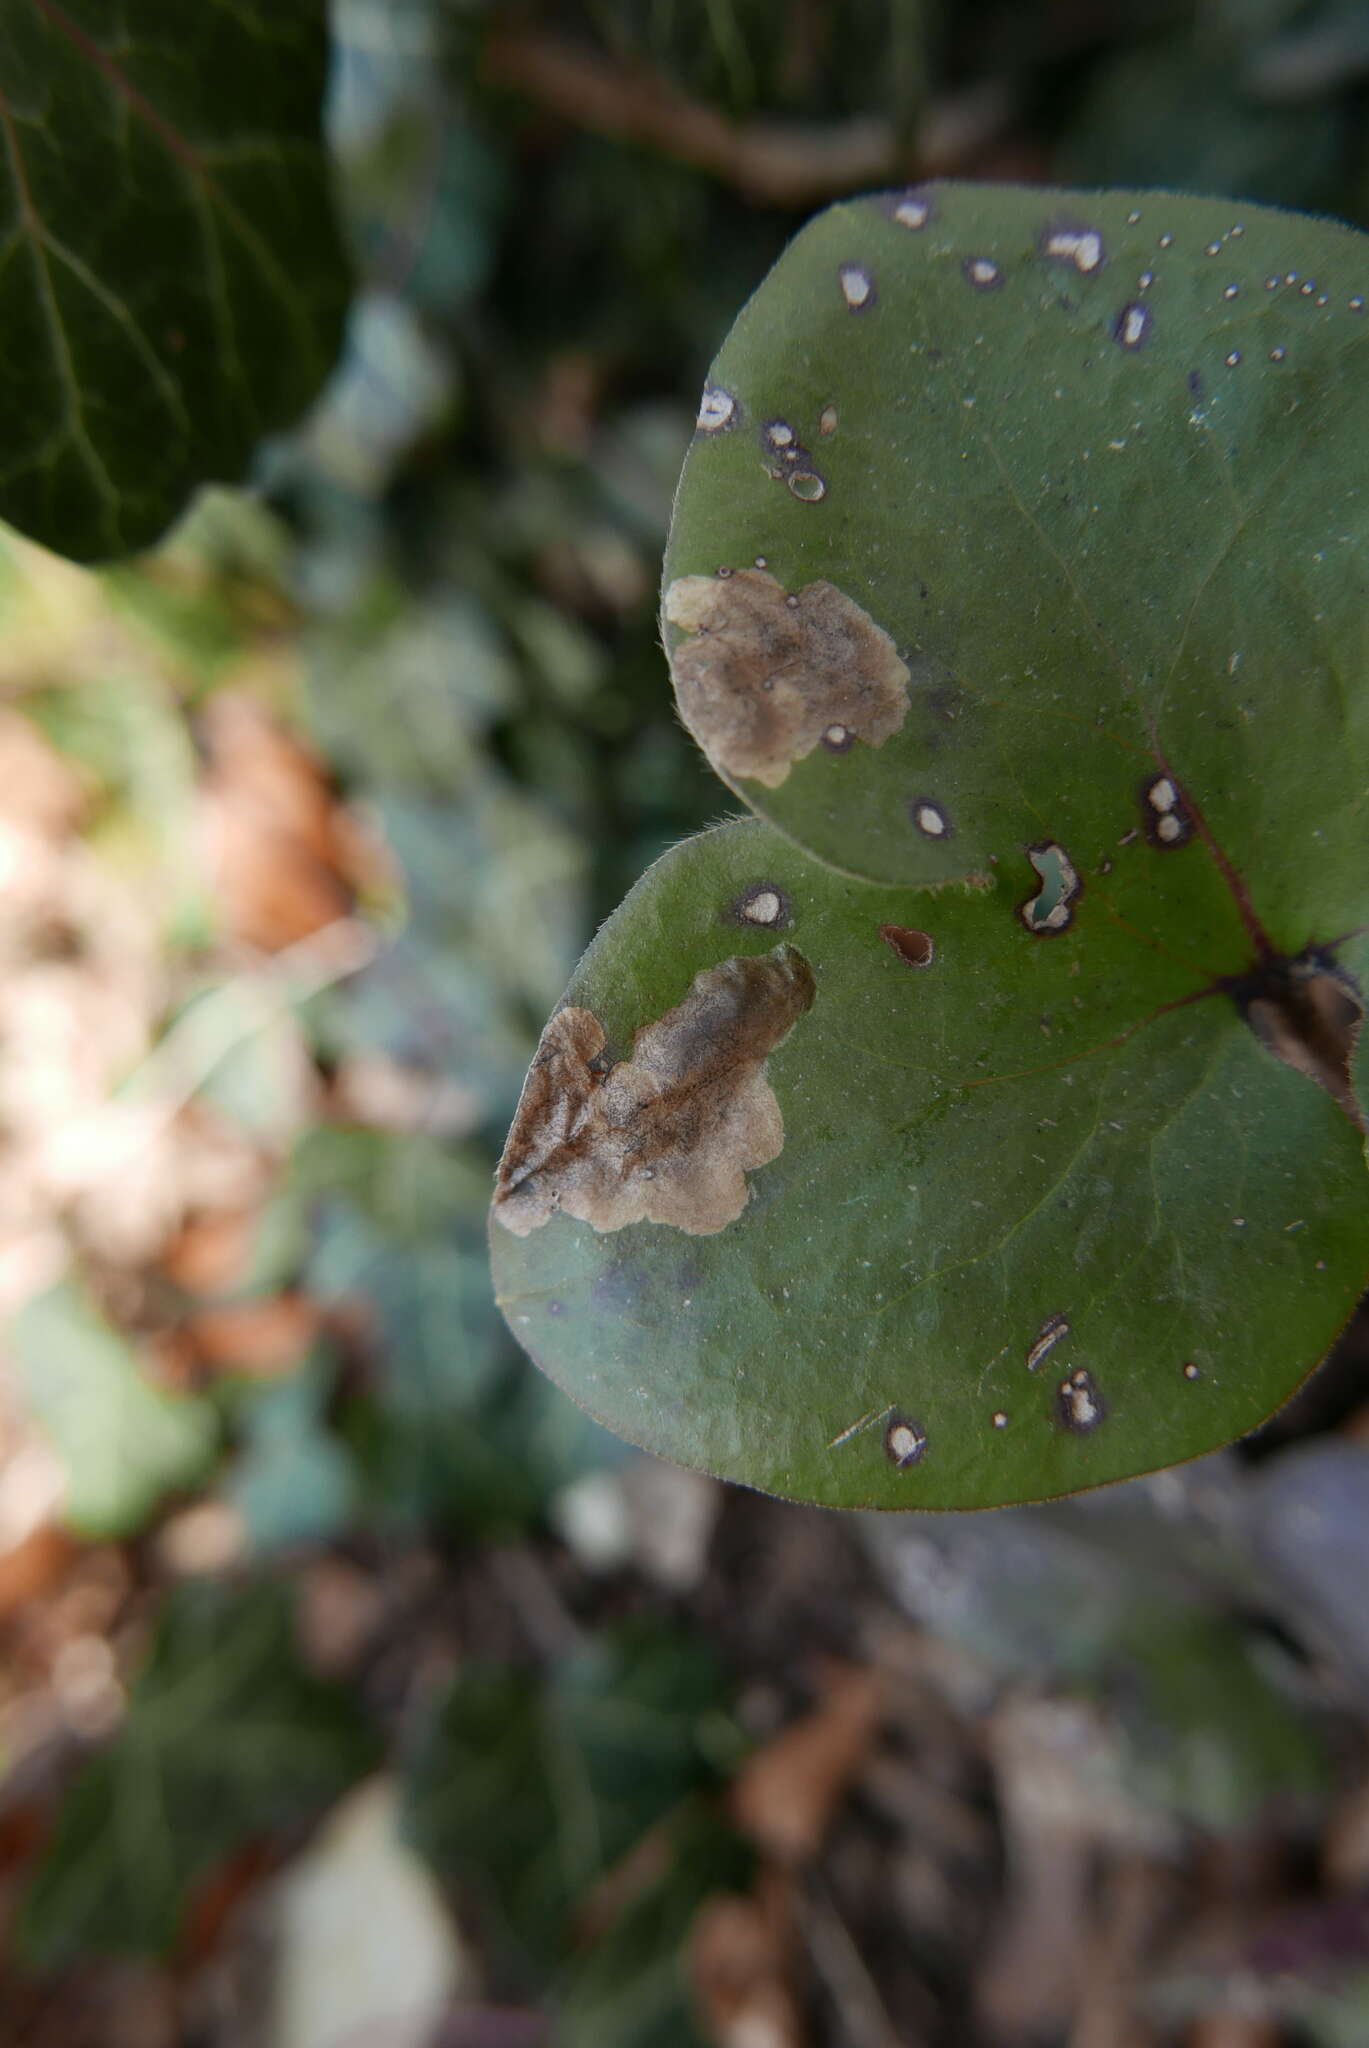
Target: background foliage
<point>310,1589</point>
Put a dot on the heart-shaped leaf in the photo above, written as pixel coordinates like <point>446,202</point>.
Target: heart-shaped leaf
<point>1036,1222</point>
<point>172,286</point>
<point>1024,545</point>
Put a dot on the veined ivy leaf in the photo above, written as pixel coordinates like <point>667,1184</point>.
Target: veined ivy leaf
<point>227,1737</point>
<point>1036,1223</point>
<point>1092,468</point>
<point>171,283</point>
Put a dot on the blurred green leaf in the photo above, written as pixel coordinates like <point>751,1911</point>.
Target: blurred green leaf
<point>1208,1735</point>
<point>124,1442</point>
<point>630,1988</point>
<point>293,1482</point>
<point>524,1791</point>
<point>227,1737</point>
<point>175,288</point>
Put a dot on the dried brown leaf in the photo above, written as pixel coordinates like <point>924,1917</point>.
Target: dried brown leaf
<point>785,1796</point>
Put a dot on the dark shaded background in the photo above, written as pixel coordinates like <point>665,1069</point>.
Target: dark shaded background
<point>355,1691</point>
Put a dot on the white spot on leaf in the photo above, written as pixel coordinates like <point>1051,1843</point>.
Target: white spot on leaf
<point>857,286</point>
<point>1046,1339</point>
<point>912,211</point>
<point>1079,1403</point>
<point>1132,325</point>
<point>1080,246</point>
<point>904,1442</point>
<point>717,409</point>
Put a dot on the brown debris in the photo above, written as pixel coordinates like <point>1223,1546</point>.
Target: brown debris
<point>1308,1013</point>
<point>669,1135</point>
<point>764,675</point>
<point>742,1964</point>
<point>284,853</point>
<point>778,162</point>
<point>786,1795</point>
<point>262,1338</point>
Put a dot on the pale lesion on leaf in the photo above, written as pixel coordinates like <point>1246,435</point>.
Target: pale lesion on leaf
<point>764,674</point>
<point>668,1135</point>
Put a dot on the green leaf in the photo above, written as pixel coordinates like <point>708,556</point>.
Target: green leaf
<point>226,1737</point>
<point>1092,463</point>
<point>123,1441</point>
<point>1023,544</point>
<point>171,287</point>
<point>525,1793</point>
<point>1000,1171</point>
<point>631,1988</point>
<point>1211,1737</point>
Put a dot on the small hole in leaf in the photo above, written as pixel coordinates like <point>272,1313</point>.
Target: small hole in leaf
<point>904,1441</point>
<point>1050,911</point>
<point>914,947</point>
<point>807,485</point>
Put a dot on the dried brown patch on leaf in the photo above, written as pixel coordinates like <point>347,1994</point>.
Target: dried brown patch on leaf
<point>1308,1012</point>
<point>669,1135</point>
<point>764,674</point>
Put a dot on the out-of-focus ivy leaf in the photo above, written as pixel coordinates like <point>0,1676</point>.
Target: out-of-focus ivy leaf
<point>294,1482</point>
<point>1307,1516</point>
<point>629,1989</point>
<point>1211,1738</point>
<point>398,692</point>
<point>397,1225</point>
<point>524,1793</point>
<point>1179,112</point>
<point>227,1736</point>
<point>174,287</point>
<point>454,1427</point>
<point>123,1441</point>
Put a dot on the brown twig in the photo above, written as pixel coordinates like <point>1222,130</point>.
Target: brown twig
<point>782,163</point>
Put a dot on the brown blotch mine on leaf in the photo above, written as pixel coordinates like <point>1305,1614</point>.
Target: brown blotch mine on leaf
<point>916,948</point>
<point>669,1135</point>
<point>763,676</point>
